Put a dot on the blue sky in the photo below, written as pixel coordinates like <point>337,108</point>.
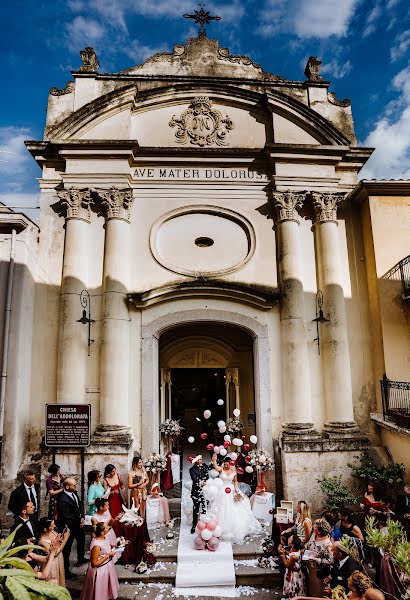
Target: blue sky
<point>364,46</point>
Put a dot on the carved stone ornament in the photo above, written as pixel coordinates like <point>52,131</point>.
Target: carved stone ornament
<point>333,100</point>
<point>70,86</point>
<point>117,203</point>
<point>286,205</point>
<point>312,69</point>
<point>325,205</point>
<point>201,124</point>
<point>90,60</point>
<point>78,203</point>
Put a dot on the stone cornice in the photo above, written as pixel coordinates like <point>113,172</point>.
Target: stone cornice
<point>286,205</point>
<point>325,205</point>
<point>18,221</point>
<point>379,187</point>
<point>116,203</point>
<point>77,202</point>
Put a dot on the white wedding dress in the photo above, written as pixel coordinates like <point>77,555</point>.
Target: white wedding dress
<point>235,517</point>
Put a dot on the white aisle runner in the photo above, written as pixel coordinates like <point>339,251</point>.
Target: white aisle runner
<point>201,572</point>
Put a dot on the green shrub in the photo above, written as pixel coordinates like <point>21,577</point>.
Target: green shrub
<point>338,494</point>
<point>387,476</point>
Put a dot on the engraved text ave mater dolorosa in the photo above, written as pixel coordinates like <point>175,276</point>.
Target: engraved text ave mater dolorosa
<point>231,174</point>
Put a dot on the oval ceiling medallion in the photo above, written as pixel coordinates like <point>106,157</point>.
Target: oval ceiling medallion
<point>202,240</point>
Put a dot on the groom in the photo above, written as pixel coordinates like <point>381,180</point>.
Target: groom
<point>199,474</point>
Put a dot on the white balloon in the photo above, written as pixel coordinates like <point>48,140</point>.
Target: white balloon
<point>235,441</point>
<point>253,439</point>
<point>191,439</point>
<point>236,412</point>
<point>249,469</point>
<point>207,414</point>
<point>206,534</point>
<point>213,473</point>
<point>233,456</point>
<point>216,449</point>
<point>221,423</point>
<point>222,429</point>
<point>205,518</point>
<point>239,442</point>
<point>227,438</point>
<point>220,402</point>
<point>217,531</point>
<point>210,492</point>
<point>262,459</point>
<point>223,452</point>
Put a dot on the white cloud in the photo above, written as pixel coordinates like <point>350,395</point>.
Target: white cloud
<point>337,69</point>
<point>371,20</point>
<point>138,52</point>
<point>82,31</point>
<point>320,19</point>
<point>402,44</point>
<point>391,136</point>
<point>13,156</point>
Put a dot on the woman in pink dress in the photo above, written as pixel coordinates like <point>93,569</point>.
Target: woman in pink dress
<point>100,582</point>
<point>103,515</point>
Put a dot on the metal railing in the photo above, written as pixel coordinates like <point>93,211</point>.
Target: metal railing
<point>401,270</point>
<point>396,402</point>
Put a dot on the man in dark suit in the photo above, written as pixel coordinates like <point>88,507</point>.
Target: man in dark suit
<point>402,508</point>
<point>28,491</point>
<point>199,474</point>
<point>28,531</point>
<point>71,516</point>
<point>343,566</point>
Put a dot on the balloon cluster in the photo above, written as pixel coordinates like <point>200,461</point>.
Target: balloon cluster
<point>208,533</point>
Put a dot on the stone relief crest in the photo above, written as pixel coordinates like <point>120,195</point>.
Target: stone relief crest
<point>201,124</point>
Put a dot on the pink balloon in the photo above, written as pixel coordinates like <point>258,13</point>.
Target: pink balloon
<point>212,525</point>
<point>199,543</point>
<point>201,526</point>
<point>213,544</point>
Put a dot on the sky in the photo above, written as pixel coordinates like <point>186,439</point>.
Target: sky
<point>364,46</point>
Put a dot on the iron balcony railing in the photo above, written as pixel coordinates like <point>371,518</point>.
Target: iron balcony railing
<point>396,402</point>
<point>401,270</point>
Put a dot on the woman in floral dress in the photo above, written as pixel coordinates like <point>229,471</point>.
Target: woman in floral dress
<point>54,488</point>
<point>294,583</point>
<point>320,545</point>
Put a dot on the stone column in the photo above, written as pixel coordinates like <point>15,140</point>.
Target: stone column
<point>115,332</point>
<point>333,335</point>
<point>295,360</point>
<point>72,350</point>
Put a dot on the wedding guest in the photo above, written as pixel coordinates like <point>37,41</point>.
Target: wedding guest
<point>332,518</point>
<point>374,594</point>
<point>294,583</point>
<point>303,523</point>
<point>41,565</point>
<point>29,490</point>
<point>347,525</point>
<point>402,509</point>
<point>113,481</point>
<point>199,474</point>
<point>100,582</point>
<point>343,566</point>
<point>137,483</point>
<point>371,499</point>
<point>71,515</point>
<point>163,512</point>
<point>48,538</point>
<point>54,485</point>
<point>320,545</point>
<point>26,518</point>
<point>358,584</point>
<point>103,515</point>
<point>95,489</point>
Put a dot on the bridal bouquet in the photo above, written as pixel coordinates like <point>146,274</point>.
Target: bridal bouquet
<point>170,428</point>
<point>234,425</point>
<point>155,463</point>
<point>260,460</point>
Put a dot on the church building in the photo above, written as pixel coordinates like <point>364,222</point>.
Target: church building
<point>203,235</point>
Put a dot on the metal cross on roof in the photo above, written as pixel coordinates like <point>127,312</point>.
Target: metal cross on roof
<point>202,18</point>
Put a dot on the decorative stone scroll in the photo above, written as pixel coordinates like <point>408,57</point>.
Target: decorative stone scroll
<point>89,59</point>
<point>325,205</point>
<point>201,124</point>
<point>286,205</point>
<point>116,202</point>
<point>70,87</point>
<point>78,203</point>
<point>333,100</point>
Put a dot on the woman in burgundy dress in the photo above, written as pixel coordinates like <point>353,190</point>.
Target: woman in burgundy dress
<point>113,481</point>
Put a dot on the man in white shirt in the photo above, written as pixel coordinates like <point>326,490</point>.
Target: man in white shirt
<point>28,491</point>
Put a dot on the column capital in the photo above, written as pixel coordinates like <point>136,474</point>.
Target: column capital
<point>117,203</point>
<point>325,205</point>
<point>78,203</point>
<point>286,205</point>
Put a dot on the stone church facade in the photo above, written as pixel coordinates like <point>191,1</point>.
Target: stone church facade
<point>211,210</point>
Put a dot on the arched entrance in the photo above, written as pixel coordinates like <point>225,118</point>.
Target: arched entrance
<point>202,363</point>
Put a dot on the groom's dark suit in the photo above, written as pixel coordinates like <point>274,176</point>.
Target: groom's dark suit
<point>198,473</point>
<point>70,514</point>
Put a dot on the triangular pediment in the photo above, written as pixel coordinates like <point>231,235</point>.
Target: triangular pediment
<point>202,57</point>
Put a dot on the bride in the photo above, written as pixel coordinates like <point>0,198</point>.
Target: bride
<point>233,508</point>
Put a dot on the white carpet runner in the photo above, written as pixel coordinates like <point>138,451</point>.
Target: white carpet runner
<point>201,572</point>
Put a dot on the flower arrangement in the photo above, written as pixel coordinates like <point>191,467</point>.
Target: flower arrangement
<point>155,463</point>
<point>170,428</point>
<point>234,425</point>
<point>260,460</point>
